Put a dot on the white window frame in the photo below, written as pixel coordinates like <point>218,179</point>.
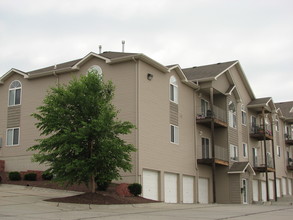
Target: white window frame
<point>11,141</point>
<point>243,115</point>
<point>277,125</point>
<point>233,152</point>
<point>204,107</point>
<point>232,116</point>
<point>205,145</point>
<point>174,134</point>
<point>12,91</point>
<point>278,151</point>
<point>173,90</point>
<point>254,156</point>
<point>245,150</point>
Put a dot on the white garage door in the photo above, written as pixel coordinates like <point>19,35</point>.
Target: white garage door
<point>263,191</point>
<point>290,187</point>
<point>188,189</point>
<point>170,185</point>
<point>278,182</point>
<point>150,184</point>
<point>255,190</point>
<point>203,190</point>
<point>271,189</point>
<point>284,188</point>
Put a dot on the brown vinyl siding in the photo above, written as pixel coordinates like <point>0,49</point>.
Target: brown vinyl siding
<point>13,116</point>
<point>173,113</point>
<point>235,188</point>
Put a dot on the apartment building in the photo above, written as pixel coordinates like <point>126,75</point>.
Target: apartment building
<point>202,136</point>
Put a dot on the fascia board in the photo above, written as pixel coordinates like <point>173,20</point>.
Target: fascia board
<point>90,55</point>
<point>10,72</point>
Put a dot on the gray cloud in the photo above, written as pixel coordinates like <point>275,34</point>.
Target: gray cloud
<point>259,33</point>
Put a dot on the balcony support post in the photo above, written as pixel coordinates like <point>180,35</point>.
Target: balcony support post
<point>265,152</point>
<point>213,143</point>
<point>274,162</point>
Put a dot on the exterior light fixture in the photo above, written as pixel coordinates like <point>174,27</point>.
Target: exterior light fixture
<point>150,76</point>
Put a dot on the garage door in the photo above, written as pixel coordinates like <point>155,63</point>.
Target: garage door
<point>263,191</point>
<point>289,186</point>
<point>271,189</point>
<point>278,182</point>
<point>203,190</point>
<point>284,188</point>
<point>170,185</point>
<point>150,184</point>
<point>255,190</point>
<point>188,189</point>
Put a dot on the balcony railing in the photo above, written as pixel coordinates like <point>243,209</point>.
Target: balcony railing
<point>260,166</point>
<point>290,164</point>
<point>257,131</point>
<point>289,139</point>
<point>221,157</point>
<point>219,114</point>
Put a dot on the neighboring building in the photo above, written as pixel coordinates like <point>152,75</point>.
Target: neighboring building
<point>202,136</point>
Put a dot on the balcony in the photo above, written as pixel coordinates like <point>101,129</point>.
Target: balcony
<point>260,166</point>
<point>288,139</point>
<point>259,133</point>
<point>205,117</point>
<point>221,157</point>
<point>290,164</point>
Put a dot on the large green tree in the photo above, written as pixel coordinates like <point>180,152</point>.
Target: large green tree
<point>81,135</point>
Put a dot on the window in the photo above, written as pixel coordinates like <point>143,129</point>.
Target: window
<point>243,114</point>
<point>174,134</point>
<point>232,115</point>
<point>14,93</point>
<point>96,69</point>
<point>205,144</point>
<point>277,125</point>
<point>253,124</point>
<point>204,107</point>
<point>278,151</point>
<point>173,89</point>
<point>12,137</point>
<point>254,157</point>
<point>233,152</point>
<point>245,150</point>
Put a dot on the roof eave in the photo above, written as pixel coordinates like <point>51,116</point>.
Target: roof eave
<point>11,71</point>
<point>142,57</point>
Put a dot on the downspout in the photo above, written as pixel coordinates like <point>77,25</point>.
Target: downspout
<point>57,77</point>
<point>137,121</point>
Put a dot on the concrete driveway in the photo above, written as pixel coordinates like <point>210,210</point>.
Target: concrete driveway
<point>20,202</point>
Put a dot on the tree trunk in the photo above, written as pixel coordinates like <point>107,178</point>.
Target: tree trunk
<point>93,182</point>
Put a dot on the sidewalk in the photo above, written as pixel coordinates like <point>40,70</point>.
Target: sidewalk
<point>26,203</point>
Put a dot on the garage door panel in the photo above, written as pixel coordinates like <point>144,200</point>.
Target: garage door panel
<point>150,184</point>
<point>171,188</point>
<point>255,190</point>
<point>188,189</point>
<point>203,190</point>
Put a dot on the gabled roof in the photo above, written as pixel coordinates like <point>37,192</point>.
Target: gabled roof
<point>240,167</point>
<point>286,109</point>
<point>6,75</point>
<point>55,67</point>
<point>207,72</point>
<point>266,103</point>
<point>74,65</point>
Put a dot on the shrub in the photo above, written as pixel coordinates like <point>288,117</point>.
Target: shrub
<point>135,189</point>
<point>14,176</point>
<point>30,176</point>
<point>47,176</point>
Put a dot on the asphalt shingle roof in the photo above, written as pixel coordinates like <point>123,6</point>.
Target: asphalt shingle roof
<point>286,107</point>
<point>207,71</point>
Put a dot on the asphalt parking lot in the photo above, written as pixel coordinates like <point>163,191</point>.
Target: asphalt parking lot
<point>20,202</point>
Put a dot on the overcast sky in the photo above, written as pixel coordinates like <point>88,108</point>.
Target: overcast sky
<point>258,33</point>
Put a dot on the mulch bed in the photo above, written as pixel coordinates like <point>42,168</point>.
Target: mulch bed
<point>100,197</point>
